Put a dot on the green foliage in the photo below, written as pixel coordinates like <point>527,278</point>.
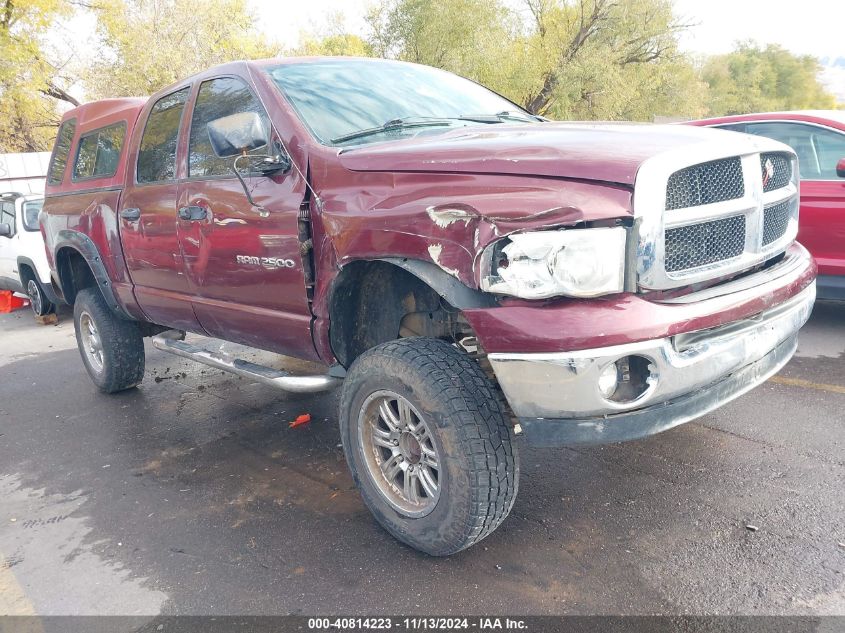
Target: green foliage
<point>28,116</point>
<point>566,59</point>
<point>333,41</point>
<point>755,79</point>
<point>464,36</point>
<point>603,59</point>
<point>148,44</point>
<point>585,59</point>
<point>341,44</point>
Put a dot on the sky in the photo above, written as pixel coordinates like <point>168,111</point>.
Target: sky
<point>808,27</point>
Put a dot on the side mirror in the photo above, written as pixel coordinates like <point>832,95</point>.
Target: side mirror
<point>237,133</point>
<point>840,168</point>
<point>273,163</point>
<point>5,229</point>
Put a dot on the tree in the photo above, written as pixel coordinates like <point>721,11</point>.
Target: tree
<point>29,82</point>
<point>609,59</point>
<point>340,44</point>
<point>332,39</point>
<point>148,44</point>
<point>467,37</point>
<point>586,59</point>
<point>756,79</point>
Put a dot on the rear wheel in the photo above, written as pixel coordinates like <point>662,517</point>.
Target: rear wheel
<point>429,445</point>
<point>112,348</point>
<point>38,301</point>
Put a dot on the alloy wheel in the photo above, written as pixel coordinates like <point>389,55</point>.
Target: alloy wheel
<point>401,455</point>
<point>92,346</point>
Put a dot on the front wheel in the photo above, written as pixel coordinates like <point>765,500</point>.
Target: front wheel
<point>38,301</point>
<point>112,348</point>
<point>428,442</point>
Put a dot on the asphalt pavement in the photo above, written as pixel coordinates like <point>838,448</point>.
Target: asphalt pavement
<point>192,495</point>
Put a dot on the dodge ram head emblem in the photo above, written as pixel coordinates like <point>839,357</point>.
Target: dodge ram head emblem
<point>768,172</point>
<point>265,262</point>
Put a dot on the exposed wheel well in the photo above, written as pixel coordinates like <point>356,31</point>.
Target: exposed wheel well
<point>74,273</point>
<point>374,302</point>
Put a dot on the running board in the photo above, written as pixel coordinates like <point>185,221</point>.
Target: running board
<point>171,342</point>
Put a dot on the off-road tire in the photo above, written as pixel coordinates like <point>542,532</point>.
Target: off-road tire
<point>471,432</point>
<point>122,344</point>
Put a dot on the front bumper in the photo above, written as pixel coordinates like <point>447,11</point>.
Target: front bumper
<point>557,399</point>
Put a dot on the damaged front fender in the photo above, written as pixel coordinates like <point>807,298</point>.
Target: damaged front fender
<point>448,219</point>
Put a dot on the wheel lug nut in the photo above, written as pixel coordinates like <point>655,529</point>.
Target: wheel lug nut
<point>396,442</point>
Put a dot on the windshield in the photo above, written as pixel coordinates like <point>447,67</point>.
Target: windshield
<point>31,210</point>
<point>336,98</point>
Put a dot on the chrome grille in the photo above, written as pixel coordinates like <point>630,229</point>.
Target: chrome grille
<point>706,183</point>
<point>696,245</point>
<point>711,215</point>
<point>776,220</point>
<point>781,170</point>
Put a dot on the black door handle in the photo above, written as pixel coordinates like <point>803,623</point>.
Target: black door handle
<point>131,214</point>
<point>192,213</point>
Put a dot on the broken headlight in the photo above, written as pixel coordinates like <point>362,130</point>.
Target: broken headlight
<point>542,264</point>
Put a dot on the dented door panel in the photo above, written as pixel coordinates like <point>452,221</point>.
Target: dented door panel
<point>246,269</point>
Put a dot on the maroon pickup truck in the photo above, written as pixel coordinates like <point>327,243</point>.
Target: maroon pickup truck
<point>467,273</point>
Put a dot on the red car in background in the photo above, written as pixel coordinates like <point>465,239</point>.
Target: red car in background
<point>818,137</point>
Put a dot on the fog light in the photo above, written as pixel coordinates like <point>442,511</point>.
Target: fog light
<point>627,380</point>
<point>608,380</point>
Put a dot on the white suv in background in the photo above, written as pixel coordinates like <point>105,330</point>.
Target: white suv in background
<point>23,261</point>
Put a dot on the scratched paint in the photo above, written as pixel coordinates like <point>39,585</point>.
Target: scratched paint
<point>446,216</point>
<point>435,251</point>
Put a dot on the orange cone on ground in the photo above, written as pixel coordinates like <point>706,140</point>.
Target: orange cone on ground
<point>9,302</point>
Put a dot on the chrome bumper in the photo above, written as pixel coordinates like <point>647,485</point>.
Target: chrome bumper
<point>557,398</point>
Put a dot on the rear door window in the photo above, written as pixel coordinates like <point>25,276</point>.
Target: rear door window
<point>218,98</point>
<point>157,154</point>
<point>99,152</point>
<point>56,171</point>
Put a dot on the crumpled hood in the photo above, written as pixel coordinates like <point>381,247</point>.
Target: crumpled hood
<point>584,151</point>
